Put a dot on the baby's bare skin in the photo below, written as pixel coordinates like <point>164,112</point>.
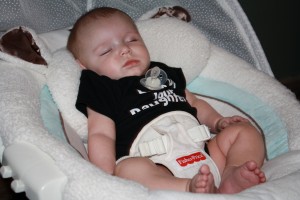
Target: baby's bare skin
<point>237,178</point>
<point>234,179</point>
<point>203,182</point>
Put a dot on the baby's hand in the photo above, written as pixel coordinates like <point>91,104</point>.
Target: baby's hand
<point>226,121</point>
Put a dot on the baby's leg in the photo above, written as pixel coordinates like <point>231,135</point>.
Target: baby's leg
<point>239,153</point>
<point>153,176</point>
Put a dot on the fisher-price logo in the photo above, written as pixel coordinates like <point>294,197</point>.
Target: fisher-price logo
<point>190,159</point>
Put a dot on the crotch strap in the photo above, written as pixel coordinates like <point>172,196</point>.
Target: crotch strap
<point>175,140</point>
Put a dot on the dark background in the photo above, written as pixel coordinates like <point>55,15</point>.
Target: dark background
<point>276,24</point>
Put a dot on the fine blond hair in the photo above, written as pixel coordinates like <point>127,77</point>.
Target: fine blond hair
<point>73,44</point>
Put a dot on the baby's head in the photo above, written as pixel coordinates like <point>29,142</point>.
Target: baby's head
<point>106,41</point>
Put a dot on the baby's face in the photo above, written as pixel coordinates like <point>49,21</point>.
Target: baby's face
<point>113,47</point>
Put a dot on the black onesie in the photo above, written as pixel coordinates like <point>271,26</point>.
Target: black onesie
<point>129,104</point>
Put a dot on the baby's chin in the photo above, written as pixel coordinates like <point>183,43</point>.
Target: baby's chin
<point>136,71</point>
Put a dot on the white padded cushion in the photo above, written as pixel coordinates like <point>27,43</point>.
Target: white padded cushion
<point>176,43</point>
<point>55,39</point>
<point>63,82</point>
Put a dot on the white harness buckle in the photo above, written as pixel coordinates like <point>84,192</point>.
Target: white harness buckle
<point>157,146</point>
<point>199,133</point>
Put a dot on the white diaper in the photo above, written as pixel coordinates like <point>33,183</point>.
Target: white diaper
<point>175,140</point>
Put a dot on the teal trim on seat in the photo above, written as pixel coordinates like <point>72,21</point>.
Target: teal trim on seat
<point>50,115</point>
<point>269,121</point>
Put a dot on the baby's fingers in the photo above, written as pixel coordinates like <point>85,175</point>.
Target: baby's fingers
<point>239,119</point>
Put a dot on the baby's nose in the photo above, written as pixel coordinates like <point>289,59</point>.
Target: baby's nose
<point>125,49</point>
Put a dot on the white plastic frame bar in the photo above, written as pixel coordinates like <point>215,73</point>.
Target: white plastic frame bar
<point>33,171</point>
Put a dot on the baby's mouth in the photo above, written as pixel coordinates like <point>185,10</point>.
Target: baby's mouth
<point>131,63</point>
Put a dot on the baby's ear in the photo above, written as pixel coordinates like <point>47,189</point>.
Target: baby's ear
<point>80,64</point>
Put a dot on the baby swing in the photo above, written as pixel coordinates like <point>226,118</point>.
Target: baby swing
<point>43,136</point>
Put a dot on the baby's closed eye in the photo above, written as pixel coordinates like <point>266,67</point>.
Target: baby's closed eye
<point>131,40</point>
<point>106,51</point>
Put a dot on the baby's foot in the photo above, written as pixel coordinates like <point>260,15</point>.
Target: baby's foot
<point>203,182</point>
<point>236,179</point>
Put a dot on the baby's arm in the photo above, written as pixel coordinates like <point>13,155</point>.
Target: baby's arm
<point>205,113</point>
<point>209,116</point>
<point>101,141</point>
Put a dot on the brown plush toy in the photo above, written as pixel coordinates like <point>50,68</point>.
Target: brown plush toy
<point>19,43</point>
<point>175,11</point>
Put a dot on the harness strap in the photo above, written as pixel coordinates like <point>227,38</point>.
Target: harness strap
<point>159,145</point>
<point>199,133</point>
